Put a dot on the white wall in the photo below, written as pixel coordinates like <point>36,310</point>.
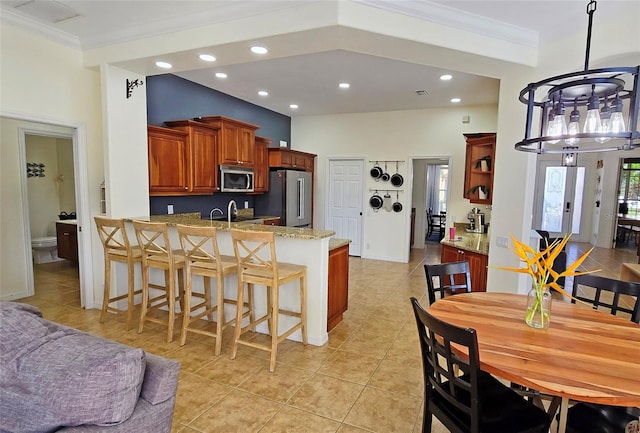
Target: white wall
<point>45,81</point>
<point>391,136</point>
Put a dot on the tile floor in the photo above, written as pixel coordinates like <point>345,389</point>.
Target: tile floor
<point>366,379</point>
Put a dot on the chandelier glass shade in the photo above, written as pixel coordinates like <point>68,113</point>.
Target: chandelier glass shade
<point>604,109</point>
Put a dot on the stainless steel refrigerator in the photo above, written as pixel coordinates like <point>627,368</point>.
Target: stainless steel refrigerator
<point>289,197</point>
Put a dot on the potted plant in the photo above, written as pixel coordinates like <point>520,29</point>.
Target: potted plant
<point>483,191</point>
<point>484,163</point>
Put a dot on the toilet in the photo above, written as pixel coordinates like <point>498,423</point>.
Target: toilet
<point>45,249</point>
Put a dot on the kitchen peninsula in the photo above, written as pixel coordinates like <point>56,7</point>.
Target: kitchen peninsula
<point>294,245</point>
<point>472,247</point>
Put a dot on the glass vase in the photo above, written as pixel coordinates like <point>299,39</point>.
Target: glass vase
<point>538,308</point>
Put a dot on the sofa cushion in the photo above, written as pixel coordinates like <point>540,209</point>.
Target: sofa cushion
<point>53,376</point>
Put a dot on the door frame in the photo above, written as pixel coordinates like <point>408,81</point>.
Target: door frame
<point>362,199</point>
<point>78,137</point>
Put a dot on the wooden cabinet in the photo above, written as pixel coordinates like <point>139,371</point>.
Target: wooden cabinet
<point>272,222</point>
<point>477,265</point>
<point>291,159</point>
<point>201,156</point>
<point>167,151</point>
<point>67,235</point>
<point>261,165</point>
<point>479,167</point>
<point>338,285</point>
<point>236,140</point>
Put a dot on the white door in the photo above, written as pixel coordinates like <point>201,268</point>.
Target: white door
<point>558,200</point>
<point>345,201</point>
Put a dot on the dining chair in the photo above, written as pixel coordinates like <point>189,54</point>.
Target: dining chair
<point>203,259</point>
<point>434,222</point>
<point>617,296</point>
<point>474,401</point>
<point>257,265</point>
<point>117,248</point>
<point>153,239</point>
<point>452,278</point>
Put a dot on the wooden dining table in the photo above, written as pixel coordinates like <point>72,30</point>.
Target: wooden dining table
<point>584,355</point>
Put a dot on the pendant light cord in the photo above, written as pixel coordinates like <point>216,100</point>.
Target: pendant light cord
<point>591,8</point>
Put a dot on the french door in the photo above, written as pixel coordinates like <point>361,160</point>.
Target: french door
<point>559,199</point>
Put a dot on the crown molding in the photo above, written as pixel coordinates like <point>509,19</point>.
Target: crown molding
<point>451,17</point>
<point>51,33</point>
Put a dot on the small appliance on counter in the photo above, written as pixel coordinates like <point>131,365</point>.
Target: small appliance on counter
<point>476,221</point>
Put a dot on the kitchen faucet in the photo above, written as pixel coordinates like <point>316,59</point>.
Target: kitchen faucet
<point>212,211</point>
<point>231,208</point>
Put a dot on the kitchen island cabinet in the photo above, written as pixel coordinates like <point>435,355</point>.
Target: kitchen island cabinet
<point>338,285</point>
<point>473,248</point>
<point>236,140</point>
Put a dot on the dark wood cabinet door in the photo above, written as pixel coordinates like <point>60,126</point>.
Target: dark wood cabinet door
<point>202,152</point>
<point>167,150</point>
<point>477,265</point>
<point>261,165</point>
<point>338,285</point>
<point>67,241</point>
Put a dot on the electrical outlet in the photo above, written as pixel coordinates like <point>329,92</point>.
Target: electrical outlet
<point>246,204</point>
<point>169,209</point>
<point>502,241</point>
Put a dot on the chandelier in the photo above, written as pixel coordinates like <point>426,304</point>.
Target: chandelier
<point>601,104</point>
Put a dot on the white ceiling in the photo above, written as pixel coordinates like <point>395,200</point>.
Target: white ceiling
<point>309,76</point>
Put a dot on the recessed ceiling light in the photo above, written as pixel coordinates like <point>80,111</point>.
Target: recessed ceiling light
<point>221,75</point>
<point>164,65</point>
<point>455,100</point>
<point>293,106</point>
<point>259,50</point>
<point>263,93</point>
<point>207,57</point>
<point>446,77</point>
<point>344,85</point>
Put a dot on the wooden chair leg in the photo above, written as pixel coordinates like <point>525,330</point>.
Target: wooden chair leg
<point>131,293</point>
<point>145,298</point>
<point>169,280</point>
<point>220,320</point>
<point>107,289</point>
<point>238,328</point>
<point>273,327</point>
<point>303,308</point>
<point>186,313</point>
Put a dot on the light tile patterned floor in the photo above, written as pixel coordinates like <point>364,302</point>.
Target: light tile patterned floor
<point>366,379</point>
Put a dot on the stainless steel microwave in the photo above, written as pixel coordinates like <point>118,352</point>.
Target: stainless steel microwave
<point>236,179</point>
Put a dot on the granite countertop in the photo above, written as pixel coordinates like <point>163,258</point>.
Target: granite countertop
<point>337,243</point>
<point>474,242</point>
<point>195,219</point>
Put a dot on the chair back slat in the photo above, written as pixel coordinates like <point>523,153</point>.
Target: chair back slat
<point>255,253</point>
<point>596,290</point>
<point>113,234</point>
<point>199,244</point>
<point>153,239</point>
<point>451,278</point>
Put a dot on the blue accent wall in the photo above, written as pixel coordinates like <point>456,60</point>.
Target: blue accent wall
<point>173,98</point>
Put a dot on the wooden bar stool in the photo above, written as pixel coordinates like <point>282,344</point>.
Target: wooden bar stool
<point>153,239</point>
<point>257,264</point>
<point>203,258</point>
<point>113,235</point>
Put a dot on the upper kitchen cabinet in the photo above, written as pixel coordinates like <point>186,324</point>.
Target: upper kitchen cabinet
<point>236,140</point>
<point>291,159</point>
<point>261,166</point>
<point>479,167</point>
<point>201,156</point>
<point>167,151</point>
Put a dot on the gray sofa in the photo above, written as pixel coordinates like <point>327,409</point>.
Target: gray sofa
<point>57,379</point>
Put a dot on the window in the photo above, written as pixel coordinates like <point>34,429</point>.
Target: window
<point>629,193</point>
<point>437,184</point>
